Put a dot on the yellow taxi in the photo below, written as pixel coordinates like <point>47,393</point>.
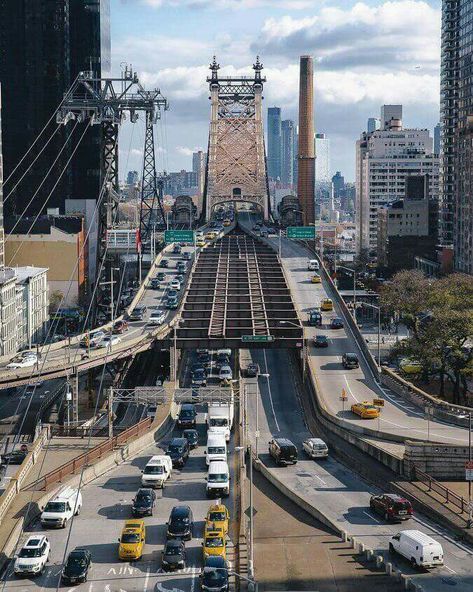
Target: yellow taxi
<point>201,243</point>
<point>214,541</point>
<point>219,516</point>
<point>316,279</point>
<point>326,304</point>
<point>410,367</point>
<point>211,235</point>
<point>132,540</point>
<point>365,410</point>
<point>226,222</point>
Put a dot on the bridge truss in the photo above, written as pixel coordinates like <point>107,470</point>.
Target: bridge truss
<point>236,165</point>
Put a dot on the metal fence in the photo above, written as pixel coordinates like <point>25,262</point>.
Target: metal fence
<point>448,495</point>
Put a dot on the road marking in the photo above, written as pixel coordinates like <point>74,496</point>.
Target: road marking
<point>269,391</point>
<point>320,479</point>
<point>349,389</point>
<point>145,585</point>
<point>371,516</point>
<point>450,569</point>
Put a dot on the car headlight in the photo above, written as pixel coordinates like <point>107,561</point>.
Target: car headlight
<point>36,568</point>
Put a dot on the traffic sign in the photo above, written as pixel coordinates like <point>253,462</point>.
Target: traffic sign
<point>257,338</point>
<point>378,402</point>
<point>179,236</point>
<point>469,470</point>
<point>344,396</point>
<point>301,232</point>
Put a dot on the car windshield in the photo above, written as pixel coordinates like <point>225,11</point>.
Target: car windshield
<point>216,516</point>
<point>180,520</point>
<point>154,470</point>
<point>401,506</point>
<point>30,552</point>
<point>369,407</point>
<point>143,500</point>
<point>216,449</point>
<point>218,478</point>
<point>186,413</point>
<point>172,550</point>
<point>219,422</point>
<point>130,537</point>
<point>213,578</point>
<point>75,562</point>
<point>55,507</point>
<point>214,542</point>
<point>174,448</point>
<point>199,374</point>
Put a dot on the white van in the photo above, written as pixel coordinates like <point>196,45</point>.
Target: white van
<point>157,470</point>
<point>313,265</point>
<point>419,548</point>
<point>218,479</point>
<point>216,447</point>
<point>65,504</point>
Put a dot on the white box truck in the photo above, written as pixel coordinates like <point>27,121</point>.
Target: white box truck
<point>419,548</point>
<point>216,447</point>
<point>220,418</point>
<point>60,509</point>
<point>218,479</point>
<point>157,471</point>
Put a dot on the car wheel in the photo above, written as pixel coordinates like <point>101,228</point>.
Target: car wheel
<point>413,562</point>
<point>78,510</point>
<point>386,516</point>
<point>391,548</point>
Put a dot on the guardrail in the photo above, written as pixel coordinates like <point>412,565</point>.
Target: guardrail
<point>19,477</point>
<point>450,497</point>
<point>88,457</point>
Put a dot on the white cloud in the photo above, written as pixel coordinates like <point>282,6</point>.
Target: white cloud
<point>186,151</point>
<point>233,4</point>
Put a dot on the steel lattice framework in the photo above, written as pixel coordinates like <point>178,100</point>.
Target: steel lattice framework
<point>236,166</point>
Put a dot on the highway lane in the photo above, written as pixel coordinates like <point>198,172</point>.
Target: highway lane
<point>334,489</point>
<point>398,417</point>
<point>106,505</point>
<point>70,356</point>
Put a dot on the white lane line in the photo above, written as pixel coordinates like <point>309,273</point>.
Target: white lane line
<point>450,569</point>
<point>145,585</point>
<point>320,479</point>
<point>269,391</point>
<point>372,517</point>
<point>349,389</point>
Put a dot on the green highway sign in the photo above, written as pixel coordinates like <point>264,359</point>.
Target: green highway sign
<point>257,338</point>
<point>178,236</point>
<point>301,232</point>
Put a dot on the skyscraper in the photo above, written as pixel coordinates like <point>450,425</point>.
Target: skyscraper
<point>2,235</point>
<point>306,154</point>
<point>389,112</point>
<point>287,152</point>
<point>43,46</point>
<point>322,158</point>
<point>274,142</point>
<point>373,124</point>
<point>456,111</point>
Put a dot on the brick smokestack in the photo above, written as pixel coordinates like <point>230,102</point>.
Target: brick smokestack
<point>306,156</point>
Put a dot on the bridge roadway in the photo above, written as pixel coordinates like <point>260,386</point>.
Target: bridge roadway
<point>334,489</point>
<point>106,506</point>
<point>60,361</point>
<point>398,417</point>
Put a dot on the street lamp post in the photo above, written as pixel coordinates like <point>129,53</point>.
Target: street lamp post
<point>304,346</point>
<point>378,308</point>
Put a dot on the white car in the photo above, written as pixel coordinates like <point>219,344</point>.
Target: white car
<point>109,341</point>
<point>157,317</point>
<point>225,373</point>
<point>175,285</point>
<point>23,361</point>
<point>33,556</point>
<point>315,448</point>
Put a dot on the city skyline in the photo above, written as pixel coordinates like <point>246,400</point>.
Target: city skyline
<point>349,85</point>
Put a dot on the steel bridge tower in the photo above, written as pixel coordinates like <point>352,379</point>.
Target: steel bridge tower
<point>236,164</point>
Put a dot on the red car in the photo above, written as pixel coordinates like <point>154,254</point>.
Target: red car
<point>120,327</point>
<point>391,506</point>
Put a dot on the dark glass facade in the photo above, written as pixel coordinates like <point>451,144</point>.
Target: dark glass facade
<point>287,152</point>
<point>274,142</point>
<point>43,46</point>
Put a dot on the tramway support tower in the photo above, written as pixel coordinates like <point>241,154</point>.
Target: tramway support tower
<point>236,164</point>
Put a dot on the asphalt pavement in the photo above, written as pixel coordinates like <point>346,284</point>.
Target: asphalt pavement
<point>334,489</point>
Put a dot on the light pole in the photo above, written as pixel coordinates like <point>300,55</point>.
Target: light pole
<point>304,347</point>
<point>353,272</point>
<point>378,308</point>
<point>175,358</point>
<point>470,508</point>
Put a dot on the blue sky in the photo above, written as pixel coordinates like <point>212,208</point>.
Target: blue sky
<point>367,53</point>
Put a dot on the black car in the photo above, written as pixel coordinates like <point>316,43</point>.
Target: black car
<point>164,263</point>
<point>336,323</point>
<point>15,457</point>
<point>252,370</point>
<point>192,436</point>
<point>155,284</point>
<point>199,377</point>
<point>320,341</point>
<point>214,576</point>
<point>181,523</point>
<point>187,416</point>
<point>143,502</point>
<point>283,451</point>
<point>174,555</point>
<point>178,451</point>
<point>138,313</point>
<point>350,360</point>
<point>197,367</point>
<point>177,249</point>
<point>172,294</point>
<point>77,566</point>
<point>161,276</point>
<point>205,359</point>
